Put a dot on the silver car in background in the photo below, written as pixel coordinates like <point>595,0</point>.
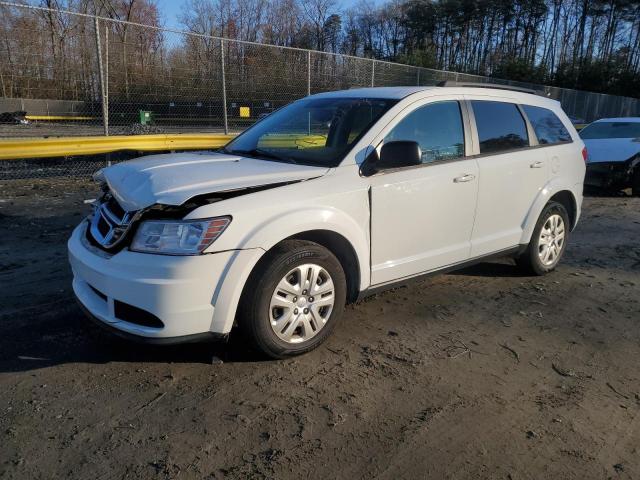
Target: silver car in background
<point>614,154</point>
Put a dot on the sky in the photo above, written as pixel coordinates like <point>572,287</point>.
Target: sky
<point>170,10</point>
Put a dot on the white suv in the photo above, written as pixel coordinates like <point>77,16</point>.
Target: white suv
<point>331,198</point>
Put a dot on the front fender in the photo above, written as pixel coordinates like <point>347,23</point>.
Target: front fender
<point>270,231</point>
<point>227,294</point>
<point>546,193</point>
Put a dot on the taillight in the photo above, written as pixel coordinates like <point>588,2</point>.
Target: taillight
<point>585,154</point>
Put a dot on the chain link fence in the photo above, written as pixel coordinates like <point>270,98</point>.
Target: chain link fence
<point>70,74</point>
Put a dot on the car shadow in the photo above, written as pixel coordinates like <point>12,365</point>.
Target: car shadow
<point>503,268</point>
<point>42,326</point>
<point>62,335</point>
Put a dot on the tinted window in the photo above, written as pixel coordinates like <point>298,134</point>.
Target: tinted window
<point>611,130</point>
<point>437,127</point>
<point>548,127</point>
<point>500,126</point>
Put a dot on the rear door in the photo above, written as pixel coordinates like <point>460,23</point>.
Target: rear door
<point>511,173</point>
<point>422,216</point>
<point>552,134</point>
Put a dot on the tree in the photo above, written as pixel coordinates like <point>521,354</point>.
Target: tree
<point>592,44</point>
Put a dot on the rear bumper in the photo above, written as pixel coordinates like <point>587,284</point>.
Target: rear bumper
<point>180,291</point>
<point>609,175</point>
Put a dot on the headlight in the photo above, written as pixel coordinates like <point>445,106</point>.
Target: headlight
<point>179,237</point>
<point>99,176</point>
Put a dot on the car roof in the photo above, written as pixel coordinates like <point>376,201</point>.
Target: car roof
<point>398,93</point>
<point>619,119</point>
<point>376,92</point>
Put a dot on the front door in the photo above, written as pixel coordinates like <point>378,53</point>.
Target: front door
<point>422,216</point>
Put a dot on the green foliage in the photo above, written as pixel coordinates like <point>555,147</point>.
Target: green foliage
<point>605,76</point>
<point>521,70</point>
<point>419,58</point>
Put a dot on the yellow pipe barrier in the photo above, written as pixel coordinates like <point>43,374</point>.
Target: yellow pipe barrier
<point>57,117</point>
<point>68,146</point>
<point>15,149</point>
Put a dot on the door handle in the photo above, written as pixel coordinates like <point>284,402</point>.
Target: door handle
<point>464,178</point>
<point>536,165</point>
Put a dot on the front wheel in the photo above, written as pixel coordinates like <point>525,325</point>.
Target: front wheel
<point>293,299</point>
<point>548,241</point>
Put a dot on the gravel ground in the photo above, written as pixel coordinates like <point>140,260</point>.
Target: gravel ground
<point>482,373</point>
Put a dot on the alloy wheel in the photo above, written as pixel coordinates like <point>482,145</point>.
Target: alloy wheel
<point>551,241</point>
<point>301,303</point>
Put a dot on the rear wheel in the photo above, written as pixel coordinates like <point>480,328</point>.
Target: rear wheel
<point>548,241</point>
<point>293,299</point>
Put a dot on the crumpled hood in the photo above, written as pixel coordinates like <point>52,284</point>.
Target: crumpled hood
<point>172,179</point>
<point>611,149</point>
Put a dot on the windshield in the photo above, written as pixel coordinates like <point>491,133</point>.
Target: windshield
<point>611,130</point>
<point>313,131</point>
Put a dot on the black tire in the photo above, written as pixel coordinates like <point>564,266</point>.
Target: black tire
<point>530,261</point>
<point>635,181</point>
<point>254,316</point>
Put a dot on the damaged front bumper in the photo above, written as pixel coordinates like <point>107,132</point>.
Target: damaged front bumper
<point>610,175</point>
<point>157,298</point>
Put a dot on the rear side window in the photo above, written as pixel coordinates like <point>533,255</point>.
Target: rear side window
<point>548,127</point>
<point>500,126</point>
<point>437,127</point>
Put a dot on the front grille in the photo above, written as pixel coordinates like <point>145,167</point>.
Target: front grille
<point>115,208</point>
<point>110,222</point>
<point>103,227</point>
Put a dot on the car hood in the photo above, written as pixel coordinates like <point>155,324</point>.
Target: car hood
<point>611,149</point>
<point>172,179</point>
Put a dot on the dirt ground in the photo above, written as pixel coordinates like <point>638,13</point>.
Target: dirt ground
<point>482,373</point>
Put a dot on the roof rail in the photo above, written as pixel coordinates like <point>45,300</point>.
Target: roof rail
<point>453,83</point>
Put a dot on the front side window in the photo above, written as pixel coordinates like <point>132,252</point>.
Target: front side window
<point>548,127</point>
<point>500,126</point>
<point>437,127</point>
<point>620,129</point>
<point>313,131</point>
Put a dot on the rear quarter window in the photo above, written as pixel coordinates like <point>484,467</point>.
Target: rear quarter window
<point>548,127</point>
<point>500,126</point>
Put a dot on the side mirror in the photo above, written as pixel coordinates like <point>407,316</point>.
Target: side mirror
<point>399,154</point>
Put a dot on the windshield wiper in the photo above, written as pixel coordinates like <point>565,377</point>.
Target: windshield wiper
<point>259,152</point>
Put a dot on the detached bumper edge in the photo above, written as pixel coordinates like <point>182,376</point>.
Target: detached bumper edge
<point>609,175</point>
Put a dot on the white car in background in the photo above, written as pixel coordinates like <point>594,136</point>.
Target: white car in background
<point>334,197</point>
<point>614,154</point>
